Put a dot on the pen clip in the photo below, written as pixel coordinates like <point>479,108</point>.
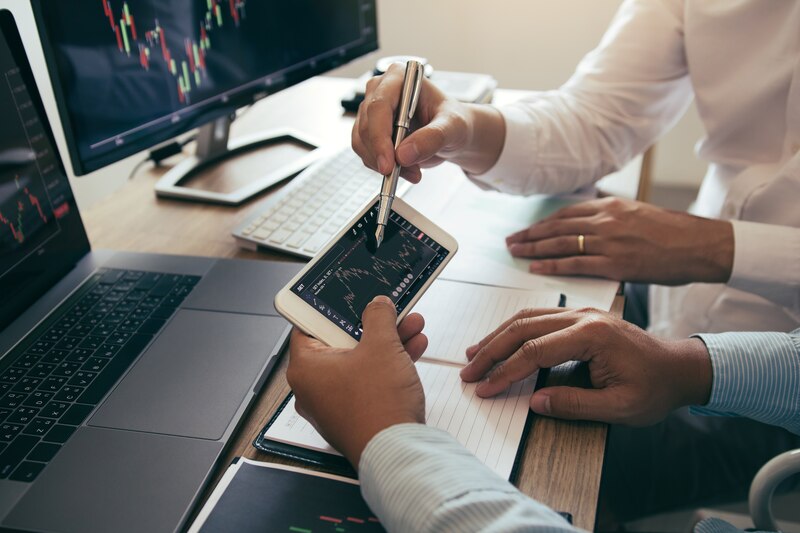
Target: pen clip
<point>419,73</point>
<point>412,83</point>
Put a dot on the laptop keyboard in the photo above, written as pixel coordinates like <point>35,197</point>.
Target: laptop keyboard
<point>56,376</point>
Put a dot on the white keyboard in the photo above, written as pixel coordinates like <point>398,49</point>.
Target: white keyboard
<point>312,208</point>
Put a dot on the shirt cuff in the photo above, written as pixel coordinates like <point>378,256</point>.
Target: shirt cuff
<point>418,478</point>
<point>766,261</point>
<point>755,375</point>
<point>518,153</point>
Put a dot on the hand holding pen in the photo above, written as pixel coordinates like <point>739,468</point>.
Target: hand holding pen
<point>409,97</point>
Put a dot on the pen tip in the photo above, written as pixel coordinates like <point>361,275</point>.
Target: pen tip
<point>378,236</point>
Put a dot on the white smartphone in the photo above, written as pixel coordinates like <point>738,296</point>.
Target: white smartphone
<point>327,297</point>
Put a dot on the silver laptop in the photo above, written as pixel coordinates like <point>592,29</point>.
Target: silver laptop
<point>122,376</point>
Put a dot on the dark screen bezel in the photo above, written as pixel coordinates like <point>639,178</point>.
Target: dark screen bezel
<point>56,262</point>
<point>207,113</point>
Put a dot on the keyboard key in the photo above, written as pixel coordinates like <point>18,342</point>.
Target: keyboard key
<point>190,280</point>
<point>67,368</point>
<point>12,400</point>
<point>44,451</point>
<point>54,409</point>
<point>55,356</point>
<point>68,394</point>
<point>298,239</point>
<point>163,312</point>
<point>112,276</point>
<point>5,387</point>
<point>67,343</point>
<point>22,415</point>
<point>92,342</point>
<point>59,434</point>
<point>53,384</point>
<point>106,350</point>
<point>280,236</point>
<point>28,360</point>
<point>262,234</point>
<point>40,347</point>
<point>15,453</point>
<point>13,375</point>
<point>95,364</point>
<point>27,471</point>
<point>82,378</point>
<point>81,329</point>
<point>4,414</point>
<point>9,431</point>
<point>76,414</point>
<point>81,355</point>
<point>26,385</point>
<point>38,399</point>
<point>42,370</point>
<point>151,326</point>
<point>38,427</point>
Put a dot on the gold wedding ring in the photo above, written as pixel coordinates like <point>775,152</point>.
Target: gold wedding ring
<point>581,244</point>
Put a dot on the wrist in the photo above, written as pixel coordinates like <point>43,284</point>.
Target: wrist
<point>365,430</point>
<point>718,251</point>
<point>486,132</point>
<point>693,372</point>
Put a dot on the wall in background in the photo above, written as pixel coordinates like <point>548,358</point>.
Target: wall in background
<point>525,44</point>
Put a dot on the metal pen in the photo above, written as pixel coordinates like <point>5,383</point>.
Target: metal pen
<point>412,82</point>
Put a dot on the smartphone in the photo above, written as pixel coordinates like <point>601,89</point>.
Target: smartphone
<point>326,298</point>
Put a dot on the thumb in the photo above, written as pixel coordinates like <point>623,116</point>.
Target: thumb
<point>380,321</point>
<point>574,403</point>
<point>427,141</point>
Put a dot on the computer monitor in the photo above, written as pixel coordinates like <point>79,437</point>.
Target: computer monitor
<point>130,74</point>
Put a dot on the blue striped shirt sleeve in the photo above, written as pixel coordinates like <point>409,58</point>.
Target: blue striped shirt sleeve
<point>756,375</point>
<point>418,478</point>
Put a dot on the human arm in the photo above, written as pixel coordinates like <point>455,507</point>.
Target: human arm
<point>638,378</point>
<point>369,404</point>
<point>624,94</point>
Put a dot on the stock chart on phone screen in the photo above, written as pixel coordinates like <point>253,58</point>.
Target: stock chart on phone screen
<point>352,272</point>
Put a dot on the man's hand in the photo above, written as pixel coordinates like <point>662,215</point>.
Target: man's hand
<point>628,241</point>
<point>637,378</point>
<point>471,136</point>
<point>351,395</point>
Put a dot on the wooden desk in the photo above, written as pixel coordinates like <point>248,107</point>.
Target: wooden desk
<point>562,460</point>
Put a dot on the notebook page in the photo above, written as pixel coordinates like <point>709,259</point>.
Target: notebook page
<point>458,315</point>
<point>490,428</point>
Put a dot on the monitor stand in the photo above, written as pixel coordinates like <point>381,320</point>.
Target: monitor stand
<point>289,152</point>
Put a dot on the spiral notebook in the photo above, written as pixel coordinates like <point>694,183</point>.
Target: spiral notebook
<point>457,315</point>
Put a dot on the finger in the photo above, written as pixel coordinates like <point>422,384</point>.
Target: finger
<point>557,247</point>
<point>377,115</point>
<point>525,313</point>
<point>412,173</point>
<point>579,265</point>
<point>411,326</point>
<point>427,141</point>
<point>575,403</point>
<point>416,346</point>
<point>432,162</point>
<point>553,228</point>
<point>534,354</point>
<point>582,209</point>
<point>507,342</point>
<point>379,320</point>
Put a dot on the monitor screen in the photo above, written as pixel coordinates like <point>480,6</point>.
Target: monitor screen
<point>129,74</point>
<point>41,234</point>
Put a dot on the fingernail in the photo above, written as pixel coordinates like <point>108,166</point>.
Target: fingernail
<point>407,154</point>
<point>472,349</point>
<point>382,299</point>
<point>536,267</point>
<point>382,166</point>
<point>514,248</point>
<point>540,403</point>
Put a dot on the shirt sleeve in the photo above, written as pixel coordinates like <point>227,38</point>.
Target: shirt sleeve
<point>623,95</point>
<point>755,375</point>
<point>418,478</point>
<point>766,262</point>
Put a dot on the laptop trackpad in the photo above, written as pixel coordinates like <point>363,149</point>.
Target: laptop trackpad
<point>194,377</point>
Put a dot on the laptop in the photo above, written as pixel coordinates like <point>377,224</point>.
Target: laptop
<point>122,376</point>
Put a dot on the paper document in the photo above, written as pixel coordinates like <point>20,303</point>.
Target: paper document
<point>457,315</point>
<point>481,220</point>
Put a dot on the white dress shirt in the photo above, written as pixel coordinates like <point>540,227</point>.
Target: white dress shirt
<point>740,61</point>
<point>418,478</point>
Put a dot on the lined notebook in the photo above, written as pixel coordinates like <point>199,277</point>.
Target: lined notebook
<point>457,315</point>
